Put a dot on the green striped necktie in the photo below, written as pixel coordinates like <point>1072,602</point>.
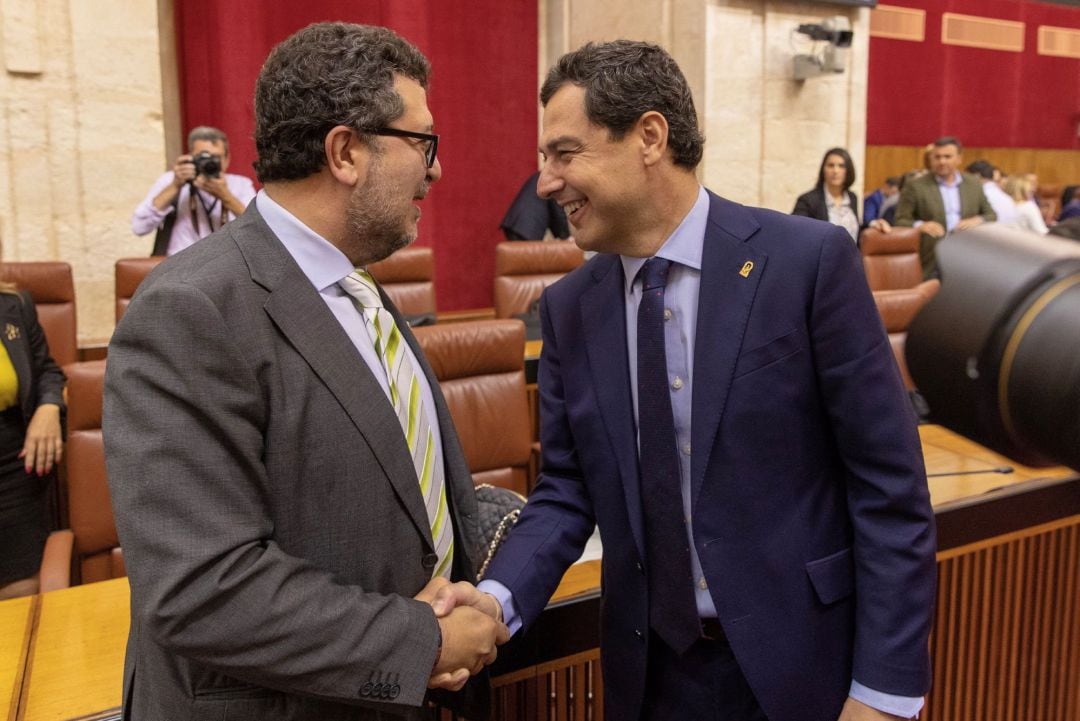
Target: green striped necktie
<point>404,383</point>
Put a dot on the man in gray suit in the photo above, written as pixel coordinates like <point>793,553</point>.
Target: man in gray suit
<point>283,528</point>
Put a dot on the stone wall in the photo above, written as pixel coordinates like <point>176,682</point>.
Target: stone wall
<point>765,132</point>
<point>81,139</point>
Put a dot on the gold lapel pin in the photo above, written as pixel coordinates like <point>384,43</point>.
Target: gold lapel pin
<point>746,268</point>
<point>11,331</point>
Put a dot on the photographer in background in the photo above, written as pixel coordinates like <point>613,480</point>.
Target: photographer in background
<point>182,217</point>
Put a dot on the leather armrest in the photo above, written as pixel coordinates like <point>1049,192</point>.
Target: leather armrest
<point>56,561</point>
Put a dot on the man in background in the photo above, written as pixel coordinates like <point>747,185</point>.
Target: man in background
<point>196,197</point>
<point>874,204</point>
<point>288,487</point>
<point>1004,206</point>
<point>942,201</point>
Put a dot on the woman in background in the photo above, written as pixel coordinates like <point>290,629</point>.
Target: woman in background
<point>831,199</point>
<point>1028,217</point>
<point>31,442</point>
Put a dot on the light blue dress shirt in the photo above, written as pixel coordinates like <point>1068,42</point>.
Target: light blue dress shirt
<point>324,265</point>
<point>950,196</point>
<point>684,248</point>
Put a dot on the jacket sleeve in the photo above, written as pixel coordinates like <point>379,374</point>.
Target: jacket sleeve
<point>802,206</point>
<point>48,376</point>
<point>558,519</point>
<point>888,500</point>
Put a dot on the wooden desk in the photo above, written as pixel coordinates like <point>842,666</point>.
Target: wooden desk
<point>76,662</point>
<point>16,620</point>
<point>74,656</point>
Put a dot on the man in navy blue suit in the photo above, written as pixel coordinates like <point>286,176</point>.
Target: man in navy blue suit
<point>798,581</point>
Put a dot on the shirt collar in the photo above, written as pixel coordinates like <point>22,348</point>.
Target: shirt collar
<point>957,178</point>
<point>322,263</point>
<point>684,246</point>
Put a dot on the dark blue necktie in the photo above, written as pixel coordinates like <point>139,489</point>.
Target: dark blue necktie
<point>672,609</point>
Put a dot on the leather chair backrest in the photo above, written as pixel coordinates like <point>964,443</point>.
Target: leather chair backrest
<point>897,309</point>
<point>51,286</point>
<point>408,277</point>
<point>891,260</point>
<point>129,274</point>
<point>481,370</point>
<point>524,269</point>
<point>97,548</point>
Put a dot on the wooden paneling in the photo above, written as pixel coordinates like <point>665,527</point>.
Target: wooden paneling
<point>1054,167</point>
<point>898,23</point>
<point>568,689</point>
<point>1059,42</point>
<point>1006,642</point>
<point>978,32</point>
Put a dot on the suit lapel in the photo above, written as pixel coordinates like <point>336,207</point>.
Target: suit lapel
<point>934,200</point>
<point>724,303</point>
<point>301,315</point>
<point>603,316</point>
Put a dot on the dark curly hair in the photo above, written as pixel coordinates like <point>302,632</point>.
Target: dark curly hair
<point>625,79</point>
<point>325,75</point>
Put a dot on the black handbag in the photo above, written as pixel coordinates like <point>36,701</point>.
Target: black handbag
<point>498,511</point>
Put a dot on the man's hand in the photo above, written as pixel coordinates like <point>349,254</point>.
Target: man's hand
<point>44,445</point>
<point>444,597</point>
<point>219,188</point>
<point>880,224</point>
<point>858,711</point>
<point>183,171</point>
<point>469,643</point>
<point>452,595</point>
<point>933,229</point>
<point>969,222</point>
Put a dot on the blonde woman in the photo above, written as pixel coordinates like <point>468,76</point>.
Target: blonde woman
<point>31,442</point>
<point>1028,217</point>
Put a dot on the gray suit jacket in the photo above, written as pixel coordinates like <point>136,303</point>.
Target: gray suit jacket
<point>272,525</point>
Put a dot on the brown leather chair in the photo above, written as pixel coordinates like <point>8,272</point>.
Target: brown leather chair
<point>97,549</point>
<point>891,260</point>
<point>481,370</point>
<point>524,269</point>
<point>51,286</point>
<point>129,274</point>
<point>898,308</point>
<point>408,277</point>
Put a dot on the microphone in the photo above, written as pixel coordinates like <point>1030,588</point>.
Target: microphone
<point>999,469</point>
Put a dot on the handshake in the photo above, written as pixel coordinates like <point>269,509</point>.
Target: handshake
<point>471,625</point>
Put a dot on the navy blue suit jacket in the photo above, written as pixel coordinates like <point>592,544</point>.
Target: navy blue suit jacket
<point>811,514</point>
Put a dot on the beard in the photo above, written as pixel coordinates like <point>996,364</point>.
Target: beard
<point>376,223</point>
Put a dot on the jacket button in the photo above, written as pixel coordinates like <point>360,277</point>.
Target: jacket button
<point>429,560</point>
<point>365,690</point>
<point>377,689</point>
<point>640,636</point>
<point>640,568</point>
<point>395,691</point>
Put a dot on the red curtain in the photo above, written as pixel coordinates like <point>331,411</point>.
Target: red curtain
<point>483,96</point>
<point>986,98</point>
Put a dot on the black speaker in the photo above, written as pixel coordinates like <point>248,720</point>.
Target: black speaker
<point>996,353</point>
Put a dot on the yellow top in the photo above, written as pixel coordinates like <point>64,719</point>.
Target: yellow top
<point>9,382</point>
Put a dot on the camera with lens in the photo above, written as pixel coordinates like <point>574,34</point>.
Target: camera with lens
<point>208,164</point>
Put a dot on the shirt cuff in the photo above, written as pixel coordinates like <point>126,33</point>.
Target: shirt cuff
<point>903,706</point>
<point>916,224</point>
<point>506,600</point>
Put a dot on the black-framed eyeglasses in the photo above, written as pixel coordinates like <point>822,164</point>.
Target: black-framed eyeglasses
<point>431,142</point>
